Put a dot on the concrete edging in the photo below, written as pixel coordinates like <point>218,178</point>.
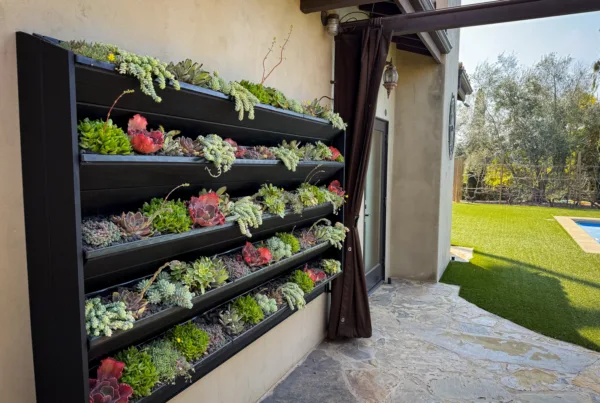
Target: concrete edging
<point>582,238</point>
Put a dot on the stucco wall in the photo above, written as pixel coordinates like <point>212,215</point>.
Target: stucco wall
<point>229,36</point>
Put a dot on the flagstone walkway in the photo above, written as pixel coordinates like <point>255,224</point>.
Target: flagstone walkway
<point>430,345</point>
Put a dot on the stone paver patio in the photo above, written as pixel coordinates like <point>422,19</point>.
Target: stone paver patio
<point>430,345</point>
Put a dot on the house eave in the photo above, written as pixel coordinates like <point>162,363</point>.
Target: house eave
<point>464,85</point>
<point>440,38</point>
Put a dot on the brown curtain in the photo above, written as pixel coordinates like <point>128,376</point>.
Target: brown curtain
<point>360,56</point>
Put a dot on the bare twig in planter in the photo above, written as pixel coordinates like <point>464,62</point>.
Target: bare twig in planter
<point>264,77</point>
<point>113,105</point>
<point>312,173</point>
<point>152,280</point>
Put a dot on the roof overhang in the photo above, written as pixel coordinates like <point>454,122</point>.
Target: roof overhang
<point>464,84</point>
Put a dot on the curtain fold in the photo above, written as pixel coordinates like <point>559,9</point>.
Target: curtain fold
<point>360,56</point>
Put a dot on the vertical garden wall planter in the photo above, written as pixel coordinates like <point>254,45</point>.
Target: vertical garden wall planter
<point>62,185</point>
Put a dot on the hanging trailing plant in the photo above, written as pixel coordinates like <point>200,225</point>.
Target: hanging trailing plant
<point>218,151</point>
<point>289,158</point>
<point>246,213</point>
<point>145,68</point>
<point>244,99</point>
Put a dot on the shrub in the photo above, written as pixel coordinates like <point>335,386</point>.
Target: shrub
<point>173,219</point>
<point>248,309</point>
<point>303,280</point>
<point>139,373</point>
<point>103,137</point>
<point>189,340</point>
<point>290,240</point>
<point>169,362</point>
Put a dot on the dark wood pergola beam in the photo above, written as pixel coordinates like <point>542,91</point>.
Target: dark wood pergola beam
<point>482,14</point>
<point>311,6</point>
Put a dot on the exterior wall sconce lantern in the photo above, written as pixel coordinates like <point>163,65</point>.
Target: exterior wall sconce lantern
<point>331,23</point>
<point>390,77</point>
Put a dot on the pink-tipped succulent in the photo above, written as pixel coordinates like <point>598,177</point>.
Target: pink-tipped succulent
<point>133,224</point>
<point>106,388</point>
<point>336,187</point>
<point>142,140</point>
<point>315,275</point>
<point>256,257</point>
<point>204,210</point>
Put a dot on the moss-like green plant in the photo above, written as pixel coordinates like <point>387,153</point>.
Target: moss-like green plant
<point>189,340</point>
<point>272,198</point>
<point>331,266</point>
<point>99,233</point>
<point>247,214</point>
<point>103,137</point>
<point>166,291</point>
<point>248,309</point>
<point>169,362</point>
<point>101,319</point>
<point>290,240</point>
<point>303,280</point>
<point>293,295</point>
<point>258,90</point>
<point>139,372</point>
<point>170,217</point>
<point>145,68</point>
<point>289,158</point>
<point>268,305</point>
<point>189,72</point>
<point>278,248</point>
<point>335,235</point>
<point>218,151</point>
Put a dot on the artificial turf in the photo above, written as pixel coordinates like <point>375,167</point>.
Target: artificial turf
<point>527,269</point>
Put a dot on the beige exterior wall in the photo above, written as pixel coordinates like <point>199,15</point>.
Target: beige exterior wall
<point>229,36</point>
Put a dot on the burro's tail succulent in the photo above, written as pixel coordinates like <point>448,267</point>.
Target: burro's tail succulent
<point>293,295</point>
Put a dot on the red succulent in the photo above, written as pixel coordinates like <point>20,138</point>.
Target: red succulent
<point>240,151</point>
<point>256,257</point>
<point>336,187</point>
<point>315,275</point>
<point>142,140</point>
<point>204,210</point>
<point>106,388</point>
<point>335,153</point>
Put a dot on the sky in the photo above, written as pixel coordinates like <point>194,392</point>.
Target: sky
<point>575,35</point>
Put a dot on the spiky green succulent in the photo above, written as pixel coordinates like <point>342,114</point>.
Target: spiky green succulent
<point>190,72</point>
<point>272,198</point>
<point>232,320</point>
<point>335,234</point>
<point>198,275</point>
<point>103,137</point>
<point>139,372</point>
<point>303,280</point>
<point>248,309</point>
<point>189,340</point>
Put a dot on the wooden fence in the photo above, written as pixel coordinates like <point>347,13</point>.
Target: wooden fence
<point>459,167</point>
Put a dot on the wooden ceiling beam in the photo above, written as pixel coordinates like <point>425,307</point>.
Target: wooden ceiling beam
<point>311,6</point>
<point>495,12</point>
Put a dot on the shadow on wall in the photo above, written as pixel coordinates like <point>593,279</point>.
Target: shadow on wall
<point>526,295</point>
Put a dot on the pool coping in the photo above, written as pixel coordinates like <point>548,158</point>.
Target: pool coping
<point>582,238</point>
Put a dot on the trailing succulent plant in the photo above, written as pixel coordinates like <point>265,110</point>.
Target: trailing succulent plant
<point>235,266</point>
<point>105,388</point>
<point>204,210</point>
<point>244,99</point>
<point>331,266</point>
<point>255,257</point>
<point>218,151</point>
<point>335,119</point>
<point>139,372</point>
<point>231,320</point>
<point>293,146</point>
<point>248,309</point>
<point>289,158</point>
<point>335,235</point>
<point>167,291</point>
<point>103,137</point>
<point>190,72</point>
<point>278,248</point>
<point>268,305</point>
<point>315,108</point>
<point>145,68</point>
<point>189,340</point>
<point>303,280</point>
<point>168,361</point>
<point>101,319</point>
<point>134,225</point>
<point>216,335</point>
<point>169,217</point>
<point>272,198</point>
<point>290,240</point>
<point>99,233</point>
<point>293,295</point>
<point>247,214</point>
<point>316,275</point>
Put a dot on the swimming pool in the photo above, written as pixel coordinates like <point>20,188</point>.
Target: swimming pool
<point>592,229</point>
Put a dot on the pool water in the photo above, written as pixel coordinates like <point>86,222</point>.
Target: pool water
<point>592,228</point>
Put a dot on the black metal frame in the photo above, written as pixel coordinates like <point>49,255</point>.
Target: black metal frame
<point>60,185</point>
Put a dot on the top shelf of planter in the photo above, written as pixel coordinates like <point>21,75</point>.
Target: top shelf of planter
<point>191,108</point>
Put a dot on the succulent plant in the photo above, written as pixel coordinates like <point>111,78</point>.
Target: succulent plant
<point>268,305</point>
<point>189,340</point>
<point>167,291</point>
<point>106,387</point>
<point>317,152</point>
<point>139,371</point>
<point>336,155</point>
<point>236,266</point>
<point>99,233</point>
<point>232,320</point>
<point>290,240</point>
<point>278,248</point>
<point>198,275</point>
<point>272,198</point>
<point>247,214</point>
<point>189,147</point>
<point>293,202</point>
<point>336,188</point>
<point>331,266</point>
<point>103,137</point>
<point>307,238</point>
<point>293,295</point>
<point>216,335</point>
<point>168,216</point>
<point>220,273</point>
<point>133,225</point>
<point>289,158</point>
<point>204,210</point>
<point>189,72</point>
<point>218,151</point>
<point>171,145</point>
<point>248,309</point>
<point>101,319</point>
<point>255,257</point>
<point>134,302</point>
<point>276,295</point>
<point>335,235</point>
<point>169,362</point>
<point>316,275</point>
<point>144,141</point>
<point>303,280</point>
<point>259,153</point>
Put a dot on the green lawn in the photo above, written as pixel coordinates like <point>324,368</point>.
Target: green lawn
<point>527,269</point>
